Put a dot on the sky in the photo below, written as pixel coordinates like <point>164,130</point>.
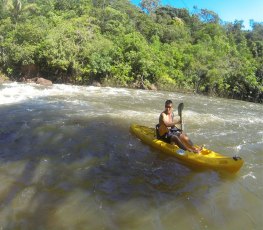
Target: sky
<point>227,10</point>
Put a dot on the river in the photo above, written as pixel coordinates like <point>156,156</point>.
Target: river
<point>69,161</point>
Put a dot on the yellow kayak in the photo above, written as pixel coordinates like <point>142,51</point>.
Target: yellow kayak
<point>206,159</point>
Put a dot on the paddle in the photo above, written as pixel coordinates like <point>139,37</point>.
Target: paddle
<point>180,110</point>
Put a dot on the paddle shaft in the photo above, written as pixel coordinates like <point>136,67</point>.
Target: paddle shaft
<point>180,110</point>
<point>181,118</point>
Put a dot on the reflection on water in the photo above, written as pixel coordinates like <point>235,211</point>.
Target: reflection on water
<point>68,161</point>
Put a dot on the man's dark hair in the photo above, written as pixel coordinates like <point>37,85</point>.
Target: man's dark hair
<point>168,102</point>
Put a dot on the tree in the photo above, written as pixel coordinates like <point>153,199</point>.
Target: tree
<point>149,5</point>
<point>209,16</point>
<point>114,42</point>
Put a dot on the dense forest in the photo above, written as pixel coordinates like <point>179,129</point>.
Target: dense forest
<point>116,43</point>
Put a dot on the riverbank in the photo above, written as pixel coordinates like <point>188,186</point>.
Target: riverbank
<point>3,78</point>
<point>136,85</point>
<point>145,85</point>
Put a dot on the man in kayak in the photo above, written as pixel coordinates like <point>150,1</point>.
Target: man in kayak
<point>170,133</point>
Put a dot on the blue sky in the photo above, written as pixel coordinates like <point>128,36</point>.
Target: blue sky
<point>228,10</point>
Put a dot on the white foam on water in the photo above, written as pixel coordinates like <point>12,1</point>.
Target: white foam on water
<point>17,92</point>
<point>116,91</point>
<point>201,119</point>
<point>246,119</point>
<point>250,174</point>
<point>14,92</point>
<point>238,121</point>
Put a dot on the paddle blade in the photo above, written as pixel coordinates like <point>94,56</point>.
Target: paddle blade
<point>180,109</point>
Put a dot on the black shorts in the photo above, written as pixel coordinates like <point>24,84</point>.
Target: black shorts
<point>172,132</point>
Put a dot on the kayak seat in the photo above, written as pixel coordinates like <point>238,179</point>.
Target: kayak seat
<point>157,131</point>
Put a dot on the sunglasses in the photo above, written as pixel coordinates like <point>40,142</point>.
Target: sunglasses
<point>168,106</point>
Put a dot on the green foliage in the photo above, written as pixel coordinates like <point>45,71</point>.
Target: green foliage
<point>165,82</point>
<point>117,44</point>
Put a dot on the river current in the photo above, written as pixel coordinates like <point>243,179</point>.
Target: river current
<point>69,161</point>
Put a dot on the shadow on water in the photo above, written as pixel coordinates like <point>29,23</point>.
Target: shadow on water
<point>97,156</point>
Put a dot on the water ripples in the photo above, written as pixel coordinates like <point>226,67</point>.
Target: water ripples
<point>68,160</point>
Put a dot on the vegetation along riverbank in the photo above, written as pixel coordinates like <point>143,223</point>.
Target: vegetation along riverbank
<point>116,43</point>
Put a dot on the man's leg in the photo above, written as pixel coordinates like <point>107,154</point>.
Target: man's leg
<point>188,143</point>
<point>178,142</point>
